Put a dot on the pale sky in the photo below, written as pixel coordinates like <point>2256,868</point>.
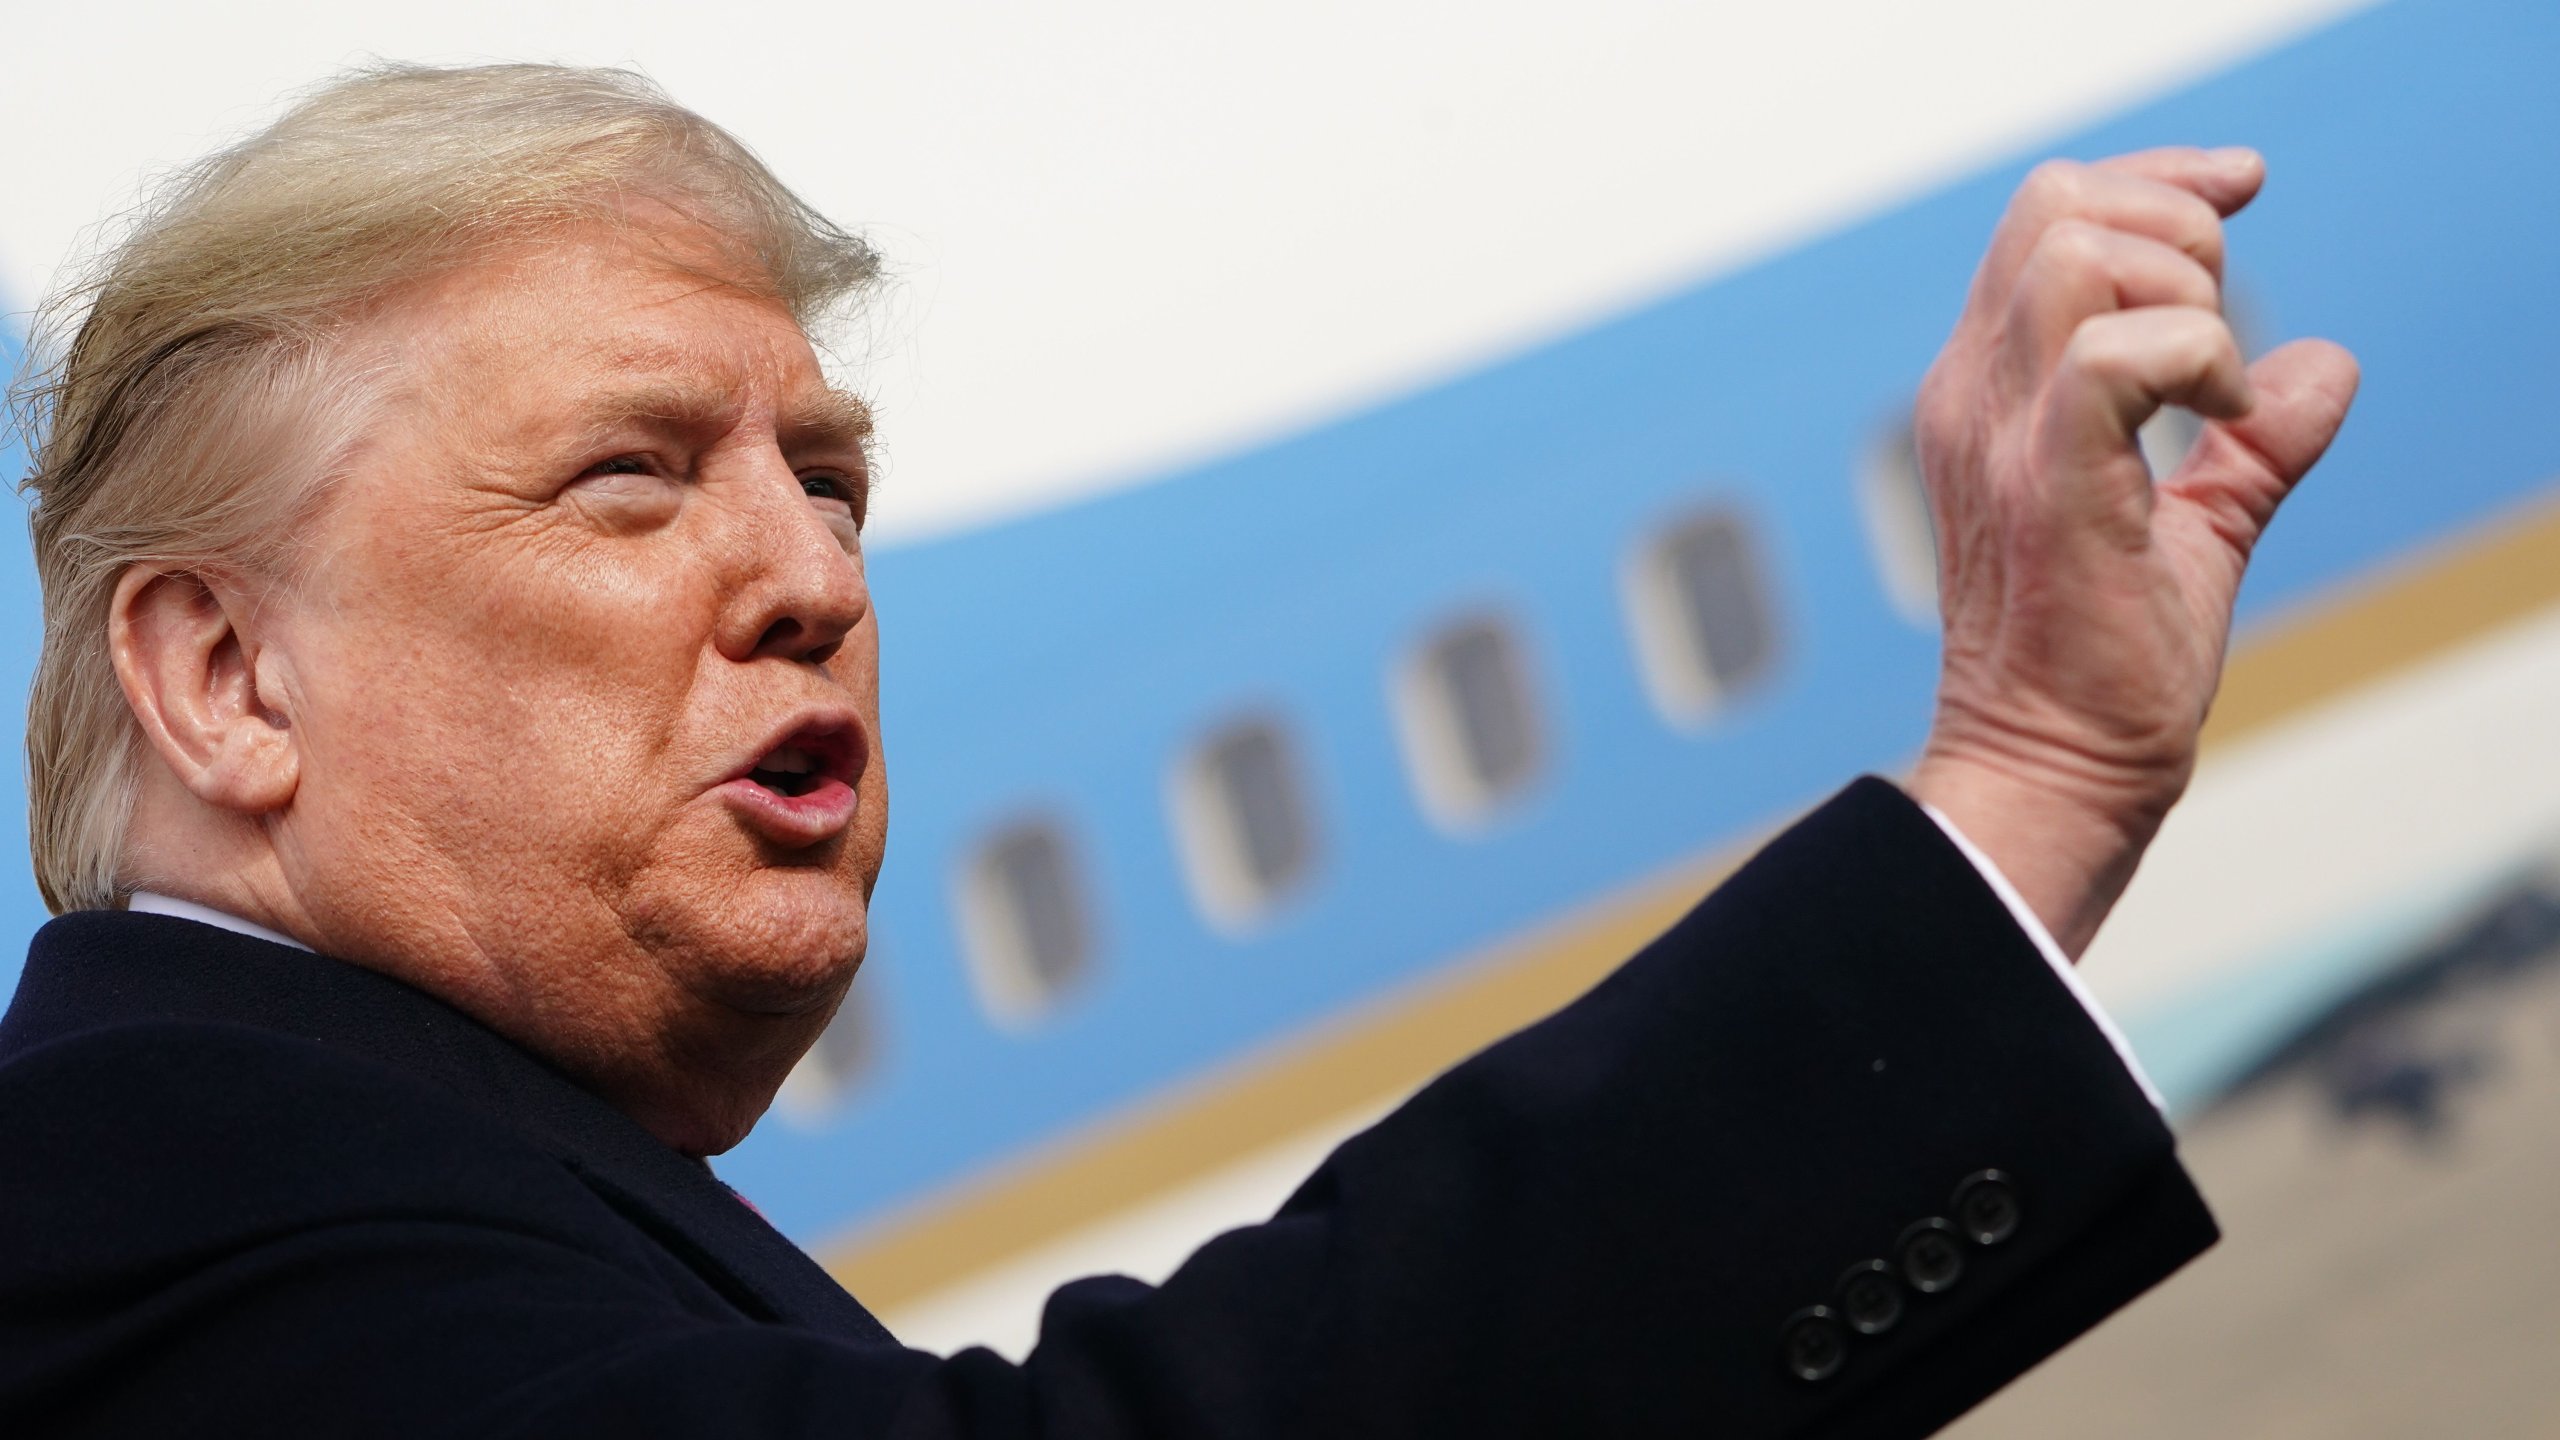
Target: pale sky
<point>1132,232</point>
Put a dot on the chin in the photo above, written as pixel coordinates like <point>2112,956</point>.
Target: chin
<point>786,942</point>
<point>704,1123</point>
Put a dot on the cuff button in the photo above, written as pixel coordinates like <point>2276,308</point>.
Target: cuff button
<point>1813,1344</point>
<point>1986,1207</point>
<point>1932,1256</point>
<point>1871,1298</point>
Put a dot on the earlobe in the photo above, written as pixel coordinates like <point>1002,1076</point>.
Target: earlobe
<point>208,698</point>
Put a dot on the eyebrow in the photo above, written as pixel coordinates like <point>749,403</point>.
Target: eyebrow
<point>830,417</point>
<point>822,418</point>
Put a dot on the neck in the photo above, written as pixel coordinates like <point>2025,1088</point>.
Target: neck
<point>180,849</point>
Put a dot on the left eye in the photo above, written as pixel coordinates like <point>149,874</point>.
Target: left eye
<point>834,489</point>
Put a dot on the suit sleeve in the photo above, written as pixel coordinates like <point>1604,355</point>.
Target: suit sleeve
<point>2033,926</point>
<point>1632,1218</point>
<point>1635,1218</point>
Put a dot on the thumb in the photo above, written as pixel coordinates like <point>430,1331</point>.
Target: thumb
<point>2302,392</point>
<point>2230,487</point>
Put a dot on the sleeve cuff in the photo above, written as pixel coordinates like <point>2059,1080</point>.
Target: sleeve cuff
<point>2052,953</point>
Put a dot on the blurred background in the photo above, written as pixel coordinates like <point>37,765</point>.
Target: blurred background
<point>1386,502</point>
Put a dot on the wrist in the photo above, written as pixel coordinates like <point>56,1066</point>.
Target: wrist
<point>2068,839</point>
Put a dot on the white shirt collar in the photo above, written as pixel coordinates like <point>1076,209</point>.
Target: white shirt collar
<point>145,902</point>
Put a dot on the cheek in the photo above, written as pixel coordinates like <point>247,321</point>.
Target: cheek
<point>857,668</point>
<point>513,713</point>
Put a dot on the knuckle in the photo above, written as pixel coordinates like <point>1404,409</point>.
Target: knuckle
<point>2056,183</point>
<point>2095,348</point>
<point>2075,247</point>
<point>2201,328</point>
<point>1948,414</point>
<point>2114,348</point>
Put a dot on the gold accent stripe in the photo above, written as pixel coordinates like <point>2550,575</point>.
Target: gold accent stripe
<point>2384,622</point>
<point>2392,618</point>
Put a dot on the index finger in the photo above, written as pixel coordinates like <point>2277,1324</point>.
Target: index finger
<point>2177,197</point>
<point>2226,179</point>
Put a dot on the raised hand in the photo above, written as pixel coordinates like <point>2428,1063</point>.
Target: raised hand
<point>2087,606</point>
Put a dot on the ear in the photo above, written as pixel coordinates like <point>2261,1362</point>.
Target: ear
<point>190,670</point>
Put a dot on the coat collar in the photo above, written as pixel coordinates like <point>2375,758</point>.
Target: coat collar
<point>96,968</point>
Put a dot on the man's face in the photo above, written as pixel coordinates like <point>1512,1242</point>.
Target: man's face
<point>584,678</point>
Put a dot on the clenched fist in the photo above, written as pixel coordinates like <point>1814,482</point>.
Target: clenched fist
<point>2088,602</point>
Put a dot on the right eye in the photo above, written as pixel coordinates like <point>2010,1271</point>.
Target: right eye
<point>626,494</point>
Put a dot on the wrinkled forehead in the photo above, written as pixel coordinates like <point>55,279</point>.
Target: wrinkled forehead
<point>607,324</point>
<point>700,384</point>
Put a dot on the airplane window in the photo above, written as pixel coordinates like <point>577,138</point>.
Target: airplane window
<point>1895,502</point>
<point>1698,603</point>
<point>1023,922</point>
<point>1241,811</point>
<point>837,1063</point>
<point>1468,719</point>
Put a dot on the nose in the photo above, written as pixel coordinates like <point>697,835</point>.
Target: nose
<point>803,589</point>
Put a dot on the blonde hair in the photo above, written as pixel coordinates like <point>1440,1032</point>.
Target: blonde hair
<point>184,402</point>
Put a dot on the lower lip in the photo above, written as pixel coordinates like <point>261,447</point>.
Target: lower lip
<point>792,820</point>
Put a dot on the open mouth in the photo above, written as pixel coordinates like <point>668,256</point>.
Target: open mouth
<point>789,771</point>
<point>802,790</point>
<point>806,761</point>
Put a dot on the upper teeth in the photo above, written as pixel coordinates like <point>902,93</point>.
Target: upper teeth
<point>790,762</point>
